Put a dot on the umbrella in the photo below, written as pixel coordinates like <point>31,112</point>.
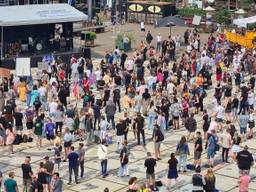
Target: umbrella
<point>171,21</point>
<point>209,8</point>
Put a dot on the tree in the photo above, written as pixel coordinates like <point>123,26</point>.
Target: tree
<point>223,17</point>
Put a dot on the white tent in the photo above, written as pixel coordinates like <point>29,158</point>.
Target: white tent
<point>245,21</point>
<point>39,14</point>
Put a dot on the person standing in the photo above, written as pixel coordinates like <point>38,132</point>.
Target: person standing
<point>172,171</point>
<point>73,159</point>
<point>158,42</point>
<point>120,127</point>
<point>56,183</point>
<point>26,174</point>
<point>124,159</point>
<point>102,155</point>
<point>191,125</point>
<point>198,149</point>
<point>244,160</point>
<point>67,138</point>
<point>210,181</point>
<point>139,124</point>
<point>110,111</point>
<point>81,153</point>
<point>38,130</point>
<point>150,164</point>
<point>197,181</point>
<point>211,147</point>
<point>142,26</point>
<point>226,142</point>
<point>149,38</point>
<point>10,185</point>
<point>158,137</point>
<point>243,122</point>
<point>244,181</point>
<point>183,151</point>
<point>49,169</point>
<point>126,43</point>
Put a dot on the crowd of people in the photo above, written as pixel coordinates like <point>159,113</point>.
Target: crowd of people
<point>155,90</point>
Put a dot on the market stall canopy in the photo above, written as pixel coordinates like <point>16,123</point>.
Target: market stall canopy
<point>240,11</point>
<point>245,21</point>
<point>39,14</point>
<point>209,8</point>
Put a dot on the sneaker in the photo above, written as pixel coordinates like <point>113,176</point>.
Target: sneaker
<point>69,183</point>
<point>77,182</point>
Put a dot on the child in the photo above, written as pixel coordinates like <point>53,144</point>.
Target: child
<point>244,181</point>
<point>57,154</point>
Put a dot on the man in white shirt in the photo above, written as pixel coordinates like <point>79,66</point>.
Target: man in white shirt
<point>102,155</point>
<point>158,42</point>
<point>74,71</point>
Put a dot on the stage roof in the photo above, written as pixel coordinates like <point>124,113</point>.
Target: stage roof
<point>39,14</point>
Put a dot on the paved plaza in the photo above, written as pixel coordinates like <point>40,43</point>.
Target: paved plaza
<point>226,173</point>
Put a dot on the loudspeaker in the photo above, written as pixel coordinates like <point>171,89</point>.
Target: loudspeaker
<point>87,52</point>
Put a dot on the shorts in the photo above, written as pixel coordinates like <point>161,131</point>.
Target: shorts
<point>197,155</point>
<point>26,182</point>
<point>150,175</point>
<point>210,153</point>
<point>120,139</point>
<point>48,179</point>
<point>242,130</point>
<point>29,125</point>
<point>175,117</point>
<point>157,145</point>
<point>19,128</point>
<point>50,137</point>
<point>219,120</point>
<point>142,29</point>
<point>68,144</point>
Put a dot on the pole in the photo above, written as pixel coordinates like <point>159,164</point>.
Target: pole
<point>2,42</point>
<point>90,9</point>
<point>170,30</point>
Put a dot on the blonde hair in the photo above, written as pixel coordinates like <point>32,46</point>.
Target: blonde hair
<point>209,173</point>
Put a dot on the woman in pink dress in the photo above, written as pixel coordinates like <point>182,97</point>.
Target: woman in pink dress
<point>10,137</point>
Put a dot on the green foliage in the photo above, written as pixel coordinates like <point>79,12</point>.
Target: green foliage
<point>223,17</point>
<point>190,12</point>
<point>92,36</point>
<point>129,35</point>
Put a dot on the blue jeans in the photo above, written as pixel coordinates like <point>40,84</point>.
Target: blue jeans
<point>158,46</point>
<point>123,170</point>
<point>182,162</point>
<point>104,164</point>
<point>43,100</point>
<point>28,99</point>
<point>112,119</point>
<point>151,119</point>
<point>125,47</point>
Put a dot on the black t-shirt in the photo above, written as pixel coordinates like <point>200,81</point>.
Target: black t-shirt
<point>150,165</point>
<point>140,122</point>
<point>26,170</point>
<point>159,135</point>
<point>36,186</point>
<point>244,159</point>
<point>172,163</point>
<point>120,129</point>
<point>199,142</point>
<point>18,118</point>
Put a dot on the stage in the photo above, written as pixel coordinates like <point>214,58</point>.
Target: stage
<point>10,63</point>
